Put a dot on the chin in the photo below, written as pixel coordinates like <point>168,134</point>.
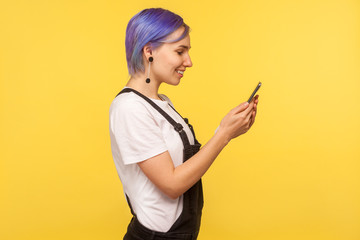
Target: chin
<point>174,82</point>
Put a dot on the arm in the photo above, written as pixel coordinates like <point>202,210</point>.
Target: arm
<point>175,181</point>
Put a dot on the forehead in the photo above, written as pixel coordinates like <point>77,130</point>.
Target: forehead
<point>185,42</point>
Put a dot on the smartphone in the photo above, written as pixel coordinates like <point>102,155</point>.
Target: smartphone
<point>254,92</point>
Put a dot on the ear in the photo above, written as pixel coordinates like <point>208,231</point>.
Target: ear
<point>147,51</point>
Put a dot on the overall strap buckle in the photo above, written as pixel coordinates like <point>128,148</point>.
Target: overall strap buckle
<point>178,127</point>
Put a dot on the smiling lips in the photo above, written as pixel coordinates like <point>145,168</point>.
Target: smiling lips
<point>181,73</point>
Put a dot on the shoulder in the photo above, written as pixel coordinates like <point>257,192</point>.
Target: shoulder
<point>127,103</point>
<point>129,109</point>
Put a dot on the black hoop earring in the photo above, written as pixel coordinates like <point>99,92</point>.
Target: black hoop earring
<point>148,76</point>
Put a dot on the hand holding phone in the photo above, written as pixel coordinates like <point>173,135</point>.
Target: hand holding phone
<point>254,92</point>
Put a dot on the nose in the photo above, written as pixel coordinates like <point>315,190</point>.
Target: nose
<point>187,61</point>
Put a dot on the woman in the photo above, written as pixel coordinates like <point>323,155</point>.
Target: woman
<point>157,156</point>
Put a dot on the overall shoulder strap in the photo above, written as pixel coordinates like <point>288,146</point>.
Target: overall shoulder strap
<point>187,122</point>
<point>177,126</point>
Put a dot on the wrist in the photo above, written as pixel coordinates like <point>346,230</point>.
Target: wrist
<point>222,137</point>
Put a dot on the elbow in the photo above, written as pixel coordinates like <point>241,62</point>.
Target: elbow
<point>173,196</point>
<point>173,193</point>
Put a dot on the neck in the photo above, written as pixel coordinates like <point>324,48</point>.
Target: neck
<point>138,83</point>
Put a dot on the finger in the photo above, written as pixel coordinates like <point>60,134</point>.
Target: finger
<point>249,109</point>
<point>241,107</point>
<point>250,122</point>
<point>255,105</point>
<point>255,108</point>
<point>248,116</point>
<point>253,118</point>
<point>256,99</point>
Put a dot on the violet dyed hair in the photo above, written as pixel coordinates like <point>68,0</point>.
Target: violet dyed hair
<point>151,26</point>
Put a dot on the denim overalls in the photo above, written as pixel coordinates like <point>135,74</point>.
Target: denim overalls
<point>187,226</point>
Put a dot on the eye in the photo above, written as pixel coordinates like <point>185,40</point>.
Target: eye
<point>179,53</point>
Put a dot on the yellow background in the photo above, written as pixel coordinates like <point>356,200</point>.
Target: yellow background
<point>294,175</point>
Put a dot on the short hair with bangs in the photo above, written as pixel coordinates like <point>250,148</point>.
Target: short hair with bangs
<point>149,26</point>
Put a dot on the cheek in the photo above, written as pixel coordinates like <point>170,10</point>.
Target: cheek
<point>168,64</point>
<point>166,61</point>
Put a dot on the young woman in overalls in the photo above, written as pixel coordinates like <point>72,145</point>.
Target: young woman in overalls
<point>158,159</point>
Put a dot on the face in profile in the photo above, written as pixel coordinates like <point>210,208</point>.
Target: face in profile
<point>171,59</point>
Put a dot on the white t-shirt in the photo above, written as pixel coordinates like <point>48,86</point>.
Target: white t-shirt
<point>138,132</point>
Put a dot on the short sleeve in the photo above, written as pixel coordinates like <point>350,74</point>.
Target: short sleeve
<point>135,131</point>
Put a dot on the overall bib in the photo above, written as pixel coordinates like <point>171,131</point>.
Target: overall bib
<point>187,226</point>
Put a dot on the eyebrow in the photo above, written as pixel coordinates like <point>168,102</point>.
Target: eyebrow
<point>186,47</point>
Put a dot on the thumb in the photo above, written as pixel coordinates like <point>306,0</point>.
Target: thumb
<point>241,107</point>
